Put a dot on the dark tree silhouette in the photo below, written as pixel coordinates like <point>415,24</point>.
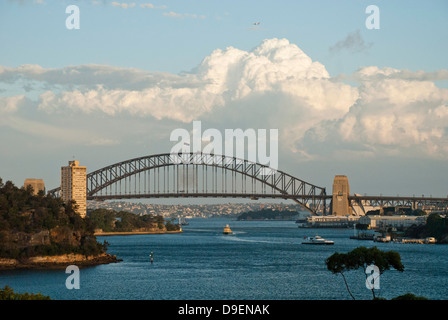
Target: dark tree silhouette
<point>363,257</point>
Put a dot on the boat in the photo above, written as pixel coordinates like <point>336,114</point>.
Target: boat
<point>183,221</point>
<point>385,238</point>
<point>430,240</point>
<point>317,240</point>
<point>227,230</point>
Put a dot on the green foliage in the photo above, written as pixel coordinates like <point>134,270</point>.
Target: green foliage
<point>436,226</point>
<point>8,294</point>
<point>21,211</point>
<point>362,257</point>
<point>409,296</point>
<point>103,219</point>
<point>123,221</point>
<point>170,226</point>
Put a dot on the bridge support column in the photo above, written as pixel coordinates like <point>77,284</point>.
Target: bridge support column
<point>341,191</point>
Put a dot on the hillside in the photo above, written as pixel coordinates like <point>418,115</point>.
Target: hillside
<point>268,214</point>
<point>36,226</point>
<point>107,221</point>
<point>436,226</point>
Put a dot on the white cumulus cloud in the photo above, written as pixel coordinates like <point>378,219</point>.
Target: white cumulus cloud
<point>274,85</point>
<point>391,117</point>
<point>276,66</point>
<point>123,5</point>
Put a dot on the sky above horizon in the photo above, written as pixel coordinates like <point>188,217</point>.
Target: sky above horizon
<point>371,104</point>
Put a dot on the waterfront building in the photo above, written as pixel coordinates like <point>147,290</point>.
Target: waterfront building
<point>331,221</point>
<point>74,185</point>
<point>378,222</point>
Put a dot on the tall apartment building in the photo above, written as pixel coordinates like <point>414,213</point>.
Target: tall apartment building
<point>74,185</point>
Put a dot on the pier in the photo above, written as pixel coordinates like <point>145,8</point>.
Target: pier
<point>429,240</point>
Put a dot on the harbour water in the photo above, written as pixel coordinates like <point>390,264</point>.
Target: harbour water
<point>261,260</point>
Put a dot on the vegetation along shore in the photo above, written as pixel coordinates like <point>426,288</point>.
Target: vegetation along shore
<point>42,232</point>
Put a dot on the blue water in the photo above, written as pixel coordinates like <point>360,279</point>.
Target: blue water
<point>261,260</point>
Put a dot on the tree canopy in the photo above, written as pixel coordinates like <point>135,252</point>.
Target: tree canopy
<point>123,221</point>
<point>436,226</point>
<point>8,294</point>
<point>23,214</point>
<point>363,257</point>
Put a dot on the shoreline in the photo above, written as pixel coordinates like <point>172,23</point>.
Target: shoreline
<point>129,233</point>
<point>57,262</point>
<point>266,219</point>
<point>64,260</point>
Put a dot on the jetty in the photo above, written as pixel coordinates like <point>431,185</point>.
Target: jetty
<point>429,240</point>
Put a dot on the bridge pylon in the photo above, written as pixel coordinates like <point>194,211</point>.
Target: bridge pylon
<point>341,192</point>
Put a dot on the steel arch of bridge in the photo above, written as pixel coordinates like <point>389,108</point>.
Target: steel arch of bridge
<point>200,175</point>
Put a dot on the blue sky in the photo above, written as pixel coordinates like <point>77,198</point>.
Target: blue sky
<point>413,33</point>
<point>137,69</point>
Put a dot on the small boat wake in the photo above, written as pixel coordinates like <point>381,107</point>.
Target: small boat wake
<point>249,240</point>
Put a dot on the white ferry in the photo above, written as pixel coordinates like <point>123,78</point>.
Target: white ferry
<point>316,240</point>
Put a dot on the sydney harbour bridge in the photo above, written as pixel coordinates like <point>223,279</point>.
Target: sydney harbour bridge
<point>200,175</point>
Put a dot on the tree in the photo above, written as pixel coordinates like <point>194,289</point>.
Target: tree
<point>436,226</point>
<point>171,226</point>
<point>363,257</point>
<point>103,219</point>
<point>338,263</point>
<point>8,294</point>
<point>23,212</point>
<point>409,296</point>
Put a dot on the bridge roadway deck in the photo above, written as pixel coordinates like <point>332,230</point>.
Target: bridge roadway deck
<point>208,195</point>
<point>385,199</point>
<point>398,198</point>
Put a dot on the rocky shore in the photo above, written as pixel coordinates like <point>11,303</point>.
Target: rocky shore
<point>128,233</point>
<point>57,262</point>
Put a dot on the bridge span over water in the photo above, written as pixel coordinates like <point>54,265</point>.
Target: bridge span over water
<point>199,175</point>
